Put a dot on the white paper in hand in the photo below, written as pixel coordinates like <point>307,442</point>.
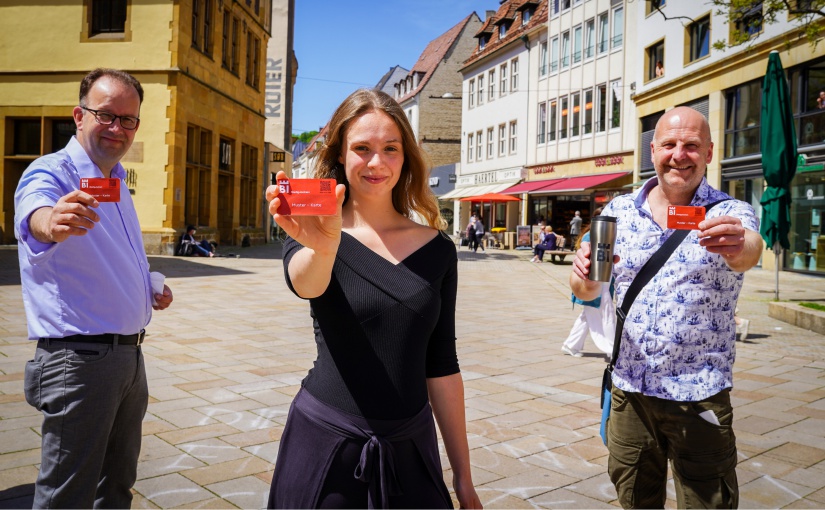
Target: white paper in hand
<point>157,280</point>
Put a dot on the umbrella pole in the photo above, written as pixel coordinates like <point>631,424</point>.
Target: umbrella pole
<point>776,249</point>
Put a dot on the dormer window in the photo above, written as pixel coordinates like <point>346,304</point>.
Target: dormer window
<point>502,30</point>
<point>526,15</point>
<point>482,42</point>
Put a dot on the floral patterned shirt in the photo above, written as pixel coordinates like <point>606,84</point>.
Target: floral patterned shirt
<point>679,337</point>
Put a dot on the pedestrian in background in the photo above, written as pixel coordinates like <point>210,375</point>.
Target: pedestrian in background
<point>670,397</point>
<point>479,226</point>
<point>575,228</point>
<point>88,298</point>
<point>382,294</point>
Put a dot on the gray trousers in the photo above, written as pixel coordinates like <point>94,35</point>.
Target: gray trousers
<point>93,398</point>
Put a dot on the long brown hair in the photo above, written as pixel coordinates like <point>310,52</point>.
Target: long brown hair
<point>412,192</point>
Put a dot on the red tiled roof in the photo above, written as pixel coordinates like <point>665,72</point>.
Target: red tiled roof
<point>509,10</point>
<point>433,54</point>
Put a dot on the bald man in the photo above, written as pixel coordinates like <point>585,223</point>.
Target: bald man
<point>674,372</point>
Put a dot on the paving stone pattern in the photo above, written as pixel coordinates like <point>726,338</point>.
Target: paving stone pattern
<point>226,359</point>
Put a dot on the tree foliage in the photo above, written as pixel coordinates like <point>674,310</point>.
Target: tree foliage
<point>307,136</point>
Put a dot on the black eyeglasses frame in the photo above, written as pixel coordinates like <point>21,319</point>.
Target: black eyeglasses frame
<point>97,113</point>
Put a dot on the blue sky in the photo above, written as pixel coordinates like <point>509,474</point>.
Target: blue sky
<point>342,45</point>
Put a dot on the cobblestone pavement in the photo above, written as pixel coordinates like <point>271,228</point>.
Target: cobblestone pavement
<point>226,359</point>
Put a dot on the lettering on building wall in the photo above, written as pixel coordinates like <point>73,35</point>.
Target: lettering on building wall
<point>274,80</point>
<point>612,160</point>
<point>545,169</point>
<point>278,157</point>
<point>434,181</point>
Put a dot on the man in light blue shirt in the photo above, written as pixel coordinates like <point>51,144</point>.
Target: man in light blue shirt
<point>88,297</point>
<point>673,374</point>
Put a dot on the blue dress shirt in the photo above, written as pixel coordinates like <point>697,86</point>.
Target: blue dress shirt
<point>92,284</point>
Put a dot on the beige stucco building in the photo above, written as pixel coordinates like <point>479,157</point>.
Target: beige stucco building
<point>198,157</point>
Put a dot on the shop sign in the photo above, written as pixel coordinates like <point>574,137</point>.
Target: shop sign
<point>523,236</point>
<point>433,181</point>
<point>612,160</point>
<point>452,177</point>
<point>544,169</point>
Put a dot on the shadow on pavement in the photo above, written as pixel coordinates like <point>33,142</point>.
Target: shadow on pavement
<point>21,496</point>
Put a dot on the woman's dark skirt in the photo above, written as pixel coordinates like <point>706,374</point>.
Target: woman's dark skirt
<point>332,459</point>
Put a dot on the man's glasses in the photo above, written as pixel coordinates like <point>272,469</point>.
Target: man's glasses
<point>107,119</point>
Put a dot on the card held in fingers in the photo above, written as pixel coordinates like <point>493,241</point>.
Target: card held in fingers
<point>685,217</point>
<point>307,197</point>
<point>102,188</point>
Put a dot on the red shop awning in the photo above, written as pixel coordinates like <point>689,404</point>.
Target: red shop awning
<point>580,183</point>
<point>526,187</point>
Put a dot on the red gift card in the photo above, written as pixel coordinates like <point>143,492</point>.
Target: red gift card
<point>307,197</point>
<point>685,217</point>
<point>102,188</point>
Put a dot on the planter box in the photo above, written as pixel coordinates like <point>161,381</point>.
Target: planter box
<point>799,316</point>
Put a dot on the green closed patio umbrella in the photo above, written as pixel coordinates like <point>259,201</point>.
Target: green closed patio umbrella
<point>778,146</point>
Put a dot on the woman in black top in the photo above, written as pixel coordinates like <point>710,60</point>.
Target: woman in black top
<point>382,291</point>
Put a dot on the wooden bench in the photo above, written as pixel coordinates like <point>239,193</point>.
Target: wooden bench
<point>558,253</point>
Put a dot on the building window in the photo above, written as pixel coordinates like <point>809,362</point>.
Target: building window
<point>565,4</point>
<point>503,77</point>
<point>551,132</point>
<point>502,31</point>
<point>480,89</point>
<point>472,93</point>
<point>743,110</point>
<point>603,34</point>
<point>554,55</point>
<point>589,38</point>
<point>502,140</point>
<point>601,121</point>
<point>253,60</point>
<point>615,104</point>
<point>543,58</point>
<point>565,112</point>
<point>226,56</point>
<point>26,137</point>
<point>577,44</point>
<point>490,143</point>
<point>542,123</point>
<point>469,147</point>
<point>236,46</point>
<point>565,49</point>
<point>808,100</point>
<point>202,26</point>
<point>249,201</point>
<point>746,22</point>
<point>554,7</point>
<point>514,75</point>
<point>526,14</point>
<point>513,137</point>
<point>108,17</point>
<point>587,127</point>
<point>492,84</point>
<point>198,175</point>
<point>699,33</point>
<point>653,5</point>
<point>575,118</point>
<point>479,141</point>
<point>654,60</point>
<point>618,27</point>
<point>482,42</point>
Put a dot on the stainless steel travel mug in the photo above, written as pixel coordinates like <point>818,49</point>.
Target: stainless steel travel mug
<point>602,241</point>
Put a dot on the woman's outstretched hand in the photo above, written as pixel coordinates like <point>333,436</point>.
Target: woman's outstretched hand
<point>321,234</point>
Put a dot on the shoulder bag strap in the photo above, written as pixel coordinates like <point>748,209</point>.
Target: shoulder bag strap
<point>646,273</point>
